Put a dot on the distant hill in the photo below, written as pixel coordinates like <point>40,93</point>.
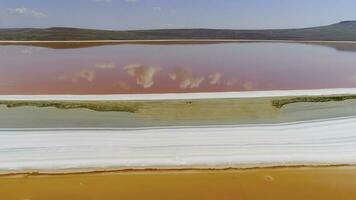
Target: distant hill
<point>343,31</point>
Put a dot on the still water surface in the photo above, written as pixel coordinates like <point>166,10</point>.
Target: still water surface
<point>143,68</point>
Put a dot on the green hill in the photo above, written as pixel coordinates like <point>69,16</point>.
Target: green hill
<point>343,31</point>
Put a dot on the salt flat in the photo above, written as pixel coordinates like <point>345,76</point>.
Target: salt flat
<point>331,141</point>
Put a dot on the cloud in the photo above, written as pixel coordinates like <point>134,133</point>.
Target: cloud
<point>143,74</point>
<point>84,74</point>
<point>108,65</point>
<point>131,1</point>
<point>186,78</point>
<point>215,79</point>
<point>158,9</point>
<point>25,12</point>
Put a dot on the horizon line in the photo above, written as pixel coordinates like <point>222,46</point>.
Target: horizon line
<point>181,28</point>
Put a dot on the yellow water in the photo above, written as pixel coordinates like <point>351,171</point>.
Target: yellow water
<point>270,183</point>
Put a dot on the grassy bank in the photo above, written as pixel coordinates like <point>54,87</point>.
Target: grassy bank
<point>240,110</point>
<point>279,103</point>
<point>176,112</point>
<point>168,110</point>
<point>179,105</point>
<point>103,106</point>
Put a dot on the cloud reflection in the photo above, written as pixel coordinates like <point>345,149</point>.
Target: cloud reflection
<point>186,78</point>
<point>353,79</point>
<point>107,65</point>
<point>30,50</point>
<point>215,79</point>
<point>4,84</point>
<point>232,81</point>
<point>84,74</point>
<point>122,85</point>
<point>143,74</point>
<point>249,85</point>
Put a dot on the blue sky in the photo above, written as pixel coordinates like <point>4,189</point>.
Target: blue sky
<point>147,14</point>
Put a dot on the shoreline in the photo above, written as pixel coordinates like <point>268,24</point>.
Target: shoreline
<point>169,170</point>
<point>296,184</point>
<point>170,40</point>
<point>183,96</point>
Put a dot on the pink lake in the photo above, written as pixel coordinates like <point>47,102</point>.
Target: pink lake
<point>140,68</point>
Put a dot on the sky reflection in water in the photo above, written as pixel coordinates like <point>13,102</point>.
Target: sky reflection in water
<point>118,69</point>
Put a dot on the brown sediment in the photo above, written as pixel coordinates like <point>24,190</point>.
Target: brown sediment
<point>242,105</point>
<point>279,103</point>
<point>338,45</point>
<point>78,44</point>
<point>337,182</point>
<point>57,45</point>
<point>91,105</point>
<point>165,169</point>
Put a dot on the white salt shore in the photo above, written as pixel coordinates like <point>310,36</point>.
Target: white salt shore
<point>179,96</point>
<point>330,141</point>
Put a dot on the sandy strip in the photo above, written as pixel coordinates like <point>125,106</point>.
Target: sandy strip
<point>309,143</point>
<point>180,96</point>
